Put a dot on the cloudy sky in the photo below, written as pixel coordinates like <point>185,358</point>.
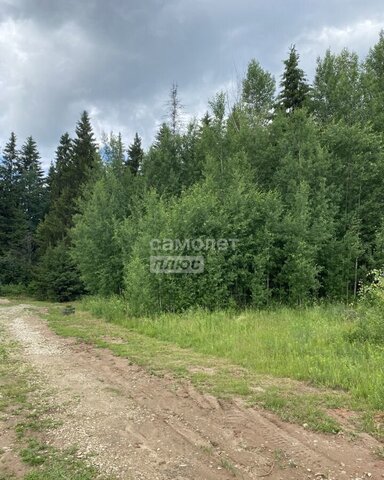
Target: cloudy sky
<point>119,58</point>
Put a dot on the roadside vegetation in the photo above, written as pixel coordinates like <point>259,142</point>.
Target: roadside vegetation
<point>301,364</point>
<point>26,412</point>
<point>315,344</point>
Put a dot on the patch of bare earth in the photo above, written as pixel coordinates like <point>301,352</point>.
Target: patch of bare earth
<point>10,462</point>
<point>138,426</point>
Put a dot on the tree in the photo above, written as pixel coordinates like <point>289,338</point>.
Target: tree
<point>13,225</point>
<point>9,205</point>
<point>32,196</point>
<point>58,219</point>
<point>373,80</point>
<point>77,166</point>
<point>85,159</point>
<point>258,90</point>
<point>57,277</point>
<point>32,182</point>
<point>299,274</point>
<point>135,155</point>
<point>174,107</point>
<point>337,90</point>
<point>162,166</point>
<point>60,173</point>
<point>294,86</point>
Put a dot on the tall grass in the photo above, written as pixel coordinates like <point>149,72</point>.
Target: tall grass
<point>312,344</point>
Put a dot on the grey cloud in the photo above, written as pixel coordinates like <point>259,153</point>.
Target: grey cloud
<point>119,58</point>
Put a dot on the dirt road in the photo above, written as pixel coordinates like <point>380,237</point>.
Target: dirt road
<point>139,426</point>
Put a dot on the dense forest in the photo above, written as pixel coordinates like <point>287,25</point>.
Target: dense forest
<point>293,173</point>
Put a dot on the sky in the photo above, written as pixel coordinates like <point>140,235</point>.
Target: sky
<point>119,58</point>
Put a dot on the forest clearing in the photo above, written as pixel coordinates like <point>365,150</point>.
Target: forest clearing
<point>191,271</point>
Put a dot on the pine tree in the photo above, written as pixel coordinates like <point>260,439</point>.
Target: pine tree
<point>294,86</point>
<point>135,155</point>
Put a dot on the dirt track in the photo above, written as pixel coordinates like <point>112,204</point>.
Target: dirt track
<point>144,427</point>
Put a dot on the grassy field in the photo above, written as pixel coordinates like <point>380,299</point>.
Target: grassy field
<point>312,344</point>
<point>298,364</point>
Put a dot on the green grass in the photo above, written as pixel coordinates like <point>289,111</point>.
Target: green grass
<point>183,351</point>
<point>58,465</point>
<point>310,344</point>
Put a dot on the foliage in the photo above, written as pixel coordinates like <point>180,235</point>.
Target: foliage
<point>57,277</point>
<point>135,155</point>
<point>370,325</point>
<point>296,180</point>
<point>258,90</point>
<point>294,87</point>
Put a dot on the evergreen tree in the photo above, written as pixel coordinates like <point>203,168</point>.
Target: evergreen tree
<point>61,170</point>
<point>135,155</point>
<point>8,192</point>
<point>13,223</point>
<point>77,165</point>
<point>61,208</point>
<point>175,108</point>
<point>294,86</point>
<point>57,277</point>
<point>32,181</point>
<point>85,159</point>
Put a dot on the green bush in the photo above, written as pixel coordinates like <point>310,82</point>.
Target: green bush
<point>370,323</point>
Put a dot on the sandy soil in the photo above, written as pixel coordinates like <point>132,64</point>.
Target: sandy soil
<point>139,426</point>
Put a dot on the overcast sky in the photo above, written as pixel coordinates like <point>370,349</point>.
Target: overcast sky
<point>118,58</point>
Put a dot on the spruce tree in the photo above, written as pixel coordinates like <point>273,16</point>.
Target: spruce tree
<point>77,164</point>
<point>32,182</point>
<point>174,108</point>
<point>63,165</point>
<point>13,224</point>
<point>294,86</point>
<point>85,159</point>
<point>135,155</point>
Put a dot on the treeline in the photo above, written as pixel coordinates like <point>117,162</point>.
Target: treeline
<point>295,177</point>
